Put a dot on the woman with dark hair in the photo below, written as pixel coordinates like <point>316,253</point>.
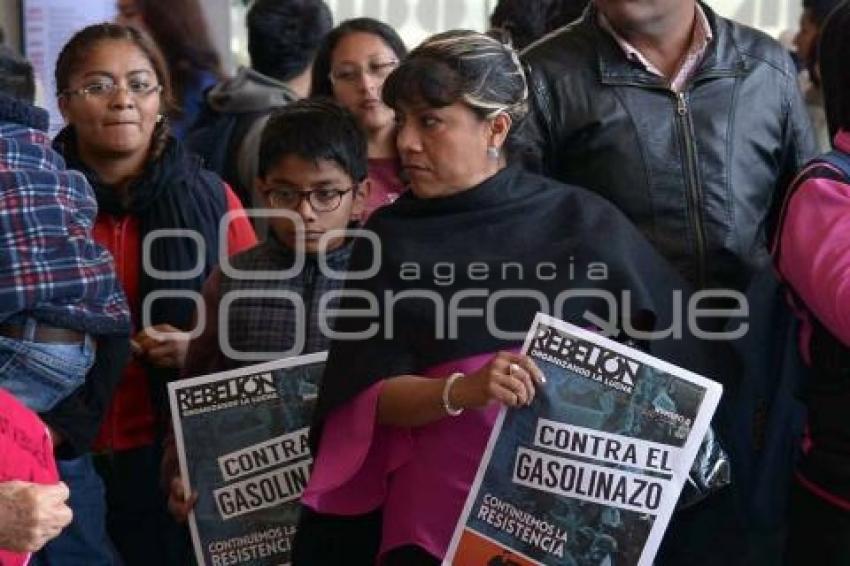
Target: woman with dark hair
<point>813,256</point>
<point>113,88</point>
<point>179,29</point>
<point>405,411</point>
<point>351,66</point>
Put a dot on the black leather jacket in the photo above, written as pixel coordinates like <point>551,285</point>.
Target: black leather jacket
<point>698,172</point>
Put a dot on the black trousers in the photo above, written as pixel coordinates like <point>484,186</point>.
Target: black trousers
<point>137,519</point>
<point>819,532</point>
<point>353,541</point>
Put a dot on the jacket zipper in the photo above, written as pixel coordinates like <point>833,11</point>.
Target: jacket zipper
<point>695,213</point>
<point>694,190</point>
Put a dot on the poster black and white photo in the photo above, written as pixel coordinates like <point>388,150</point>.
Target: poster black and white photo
<point>242,445</point>
<point>590,472</point>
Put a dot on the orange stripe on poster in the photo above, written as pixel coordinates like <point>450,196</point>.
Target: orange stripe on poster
<point>475,550</point>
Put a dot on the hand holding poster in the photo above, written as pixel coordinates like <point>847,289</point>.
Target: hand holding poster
<point>242,444</point>
<point>590,473</point>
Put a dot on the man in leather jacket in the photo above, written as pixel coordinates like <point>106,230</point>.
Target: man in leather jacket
<point>691,124</point>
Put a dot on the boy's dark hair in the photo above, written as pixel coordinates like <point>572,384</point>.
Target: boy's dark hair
<point>16,76</point>
<point>321,80</point>
<point>834,75</point>
<point>283,35</point>
<point>314,129</point>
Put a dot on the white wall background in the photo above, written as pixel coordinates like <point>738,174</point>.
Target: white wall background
<point>770,16</point>
<point>417,19</point>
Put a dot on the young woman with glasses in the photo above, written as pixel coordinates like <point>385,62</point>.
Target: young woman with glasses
<point>351,66</point>
<point>113,88</point>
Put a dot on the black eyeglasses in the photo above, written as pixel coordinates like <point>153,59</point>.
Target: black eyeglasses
<point>322,200</point>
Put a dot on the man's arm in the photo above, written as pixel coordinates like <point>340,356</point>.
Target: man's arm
<point>536,129</point>
<point>798,144</point>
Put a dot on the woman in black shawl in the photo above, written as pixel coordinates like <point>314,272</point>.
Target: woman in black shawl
<point>426,344</point>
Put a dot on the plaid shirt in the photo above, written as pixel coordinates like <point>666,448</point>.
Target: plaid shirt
<point>264,326</point>
<point>50,266</point>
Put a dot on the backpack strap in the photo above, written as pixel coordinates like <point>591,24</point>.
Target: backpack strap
<point>837,159</point>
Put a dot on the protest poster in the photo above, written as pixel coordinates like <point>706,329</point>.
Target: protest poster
<point>590,472</point>
<point>241,440</point>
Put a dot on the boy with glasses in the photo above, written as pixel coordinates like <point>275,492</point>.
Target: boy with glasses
<point>312,180</point>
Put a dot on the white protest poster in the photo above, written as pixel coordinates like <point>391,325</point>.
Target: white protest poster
<point>241,440</point>
<point>590,472</point>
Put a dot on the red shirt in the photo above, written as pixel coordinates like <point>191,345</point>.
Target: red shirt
<point>26,454</point>
<point>129,420</point>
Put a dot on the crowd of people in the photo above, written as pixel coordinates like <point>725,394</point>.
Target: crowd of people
<point>674,147</point>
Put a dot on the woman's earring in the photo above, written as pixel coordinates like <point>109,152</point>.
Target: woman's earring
<point>159,117</point>
<point>493,153</point>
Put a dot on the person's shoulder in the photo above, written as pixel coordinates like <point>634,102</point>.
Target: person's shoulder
<point>582,203</point>
<point>569,45</point>
<point>248,257</point>
<point>22,147</point>
<point>389,214</point>
<point>600,226</point>
<point>184,162</point>
<point>39,169</point>
<point>757,47</point>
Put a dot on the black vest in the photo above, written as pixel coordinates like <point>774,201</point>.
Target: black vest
<point>267,318</point>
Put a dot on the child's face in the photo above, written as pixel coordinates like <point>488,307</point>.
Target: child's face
<point>335,200</point>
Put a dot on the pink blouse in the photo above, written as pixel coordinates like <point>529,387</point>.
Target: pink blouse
<point>419,476</point>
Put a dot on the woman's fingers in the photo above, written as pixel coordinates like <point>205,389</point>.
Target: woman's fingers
<point>509,378</point>
<point>521,383</point>
<point>518,375</point>
<point>528,365</point>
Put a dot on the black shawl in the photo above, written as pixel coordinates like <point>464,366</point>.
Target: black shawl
<point>554,231</point>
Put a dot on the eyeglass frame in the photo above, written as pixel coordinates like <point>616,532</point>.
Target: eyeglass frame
<point>373,69</point>
<point>84,91</point>
<point>308,194</point>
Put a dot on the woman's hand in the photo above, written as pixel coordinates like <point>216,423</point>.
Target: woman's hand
<point>178,504</point>
<point>507,378</point>
<point>162,345</point>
